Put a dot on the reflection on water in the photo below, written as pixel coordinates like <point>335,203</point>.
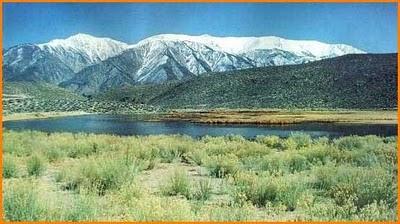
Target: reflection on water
<point>127,125</point>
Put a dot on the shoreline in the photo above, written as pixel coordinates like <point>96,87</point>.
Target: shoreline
<point>40,115</point>
<point>255,117</point>
<point>284,117</point>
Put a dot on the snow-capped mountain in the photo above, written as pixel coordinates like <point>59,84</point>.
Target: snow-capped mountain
<point>242,45</point>
<point>27,62</point>
<point>59,59</point>
<point>155,62</point>
<point>96,64</point>
<point>81,50</point>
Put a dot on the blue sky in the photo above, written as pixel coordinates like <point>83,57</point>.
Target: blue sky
<point>370,27</point>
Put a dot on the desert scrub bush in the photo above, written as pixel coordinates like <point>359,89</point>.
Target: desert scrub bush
<point>252,163</point>
<point>264,191</point>
<point>297,163</point>
<point>196,156</point>
<point>151,164</point>
<point>235,138</point>
<point>129,192</point>
<point>361,158</point>
<point>323,210</point>
<point>141,152</point>
<point>377,212</point>
<point>274,164</point>
<point>100,174</point>
<point>250,187</point>
<point>81,148</point>
<point>17,143</point>
<point>35,165</point>
<point>328,210</point>
<point>284,162</point>
<point>218,145</point>
<point>169,155</point>
<point>297,140</point>
<point>203,190</point>
<point>82,209</point>
<point>271,141</point>
<point>153,208</point>
<point>226,213</point>
<point>222,165</point>
<point>21,202</point>
<point>177,184</point>
<point>363,185</point>
<point>320,154</point>
<point>251,149</point>
<point>10,168</point>
<point>349,143</point>
<point>171,148</point>
<point>290,193</point>
<point>54,154</point>
<point>61,175</point>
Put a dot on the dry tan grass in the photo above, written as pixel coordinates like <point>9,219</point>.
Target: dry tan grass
<point>283,116</point>
<point>40,115</point>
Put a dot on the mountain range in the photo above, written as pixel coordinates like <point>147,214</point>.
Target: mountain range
<point>90,65</point>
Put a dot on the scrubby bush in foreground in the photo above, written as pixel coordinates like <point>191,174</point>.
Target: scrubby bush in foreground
<point>154,178</point>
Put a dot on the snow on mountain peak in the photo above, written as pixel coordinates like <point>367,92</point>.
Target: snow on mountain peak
<point>82,40</point>
<point>97,46</point>
<point>152,59</point>
<point>80,50</point>
<point>240,45</point>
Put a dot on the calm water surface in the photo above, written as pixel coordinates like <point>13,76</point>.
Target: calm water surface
<point>128,125</point>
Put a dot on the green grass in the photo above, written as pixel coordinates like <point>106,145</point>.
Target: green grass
<point>78,177</point>
<point>203,190</point>
<point>178,184</point>
<point>10,168</point>
<point>35,165</point>
<point>21,202</point>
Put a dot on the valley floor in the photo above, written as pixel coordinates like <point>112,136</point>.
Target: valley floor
<point>65,176</point>
<point>247,116</point>
<point>40,115</point>
<point>285,116</point>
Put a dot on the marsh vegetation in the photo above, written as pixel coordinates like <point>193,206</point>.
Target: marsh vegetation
<point>65,176</point>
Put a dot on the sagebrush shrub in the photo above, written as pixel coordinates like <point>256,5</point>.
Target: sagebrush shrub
<point>222,165</point>
<point>21,202</point>
<point>203,190</point>
<point>178,184</point>
<point>35,165</point>
<point>9,167</point>
<point>271,141</point>
<point>258,190</point>
<point>100,175</point>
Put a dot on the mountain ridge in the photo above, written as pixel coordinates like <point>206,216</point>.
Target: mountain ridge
<point>90,64</point>
<point>355,81</point>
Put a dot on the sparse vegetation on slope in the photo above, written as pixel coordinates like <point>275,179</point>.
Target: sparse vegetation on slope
<point>365,81</point>
<point>25,97</point>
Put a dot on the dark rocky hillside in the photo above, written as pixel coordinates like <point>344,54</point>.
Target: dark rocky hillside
<point>362,81</point>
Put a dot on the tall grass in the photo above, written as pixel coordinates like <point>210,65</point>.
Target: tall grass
<point>100,175</point>
<point>35,165</point>
<point>10,168</point>
<point>203,190</point>
<point>21,202</point>
<point>177,184</point>
<point>76,177</point>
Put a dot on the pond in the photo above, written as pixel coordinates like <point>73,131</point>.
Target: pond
<point>128,125</point>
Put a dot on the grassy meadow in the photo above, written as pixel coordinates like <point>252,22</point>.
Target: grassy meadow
<point>65,176</point>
